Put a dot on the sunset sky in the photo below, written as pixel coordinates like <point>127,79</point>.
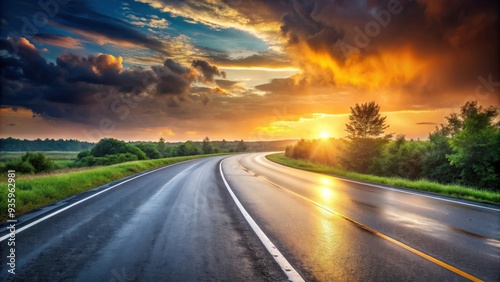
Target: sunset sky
<point>240,69</point>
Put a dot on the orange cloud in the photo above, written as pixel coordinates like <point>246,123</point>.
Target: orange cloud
<point>106,62</point>
<point>57,40</point>
<point>390,67</point>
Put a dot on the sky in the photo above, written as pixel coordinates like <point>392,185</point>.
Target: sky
<point>240,69</point>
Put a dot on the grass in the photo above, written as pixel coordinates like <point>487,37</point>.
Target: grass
<point>455,191</point>
<point>34,192</point>
<point>62,164</point>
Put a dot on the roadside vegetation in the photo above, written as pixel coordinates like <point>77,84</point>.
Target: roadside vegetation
<point>37,191</point>
<point>461,158</point>
<point>44,178</point>
<point>452,190</point>
<point>107,151</point>
<point>17,145</point>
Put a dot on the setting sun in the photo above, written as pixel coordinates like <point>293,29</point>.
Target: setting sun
<point>324,135</point>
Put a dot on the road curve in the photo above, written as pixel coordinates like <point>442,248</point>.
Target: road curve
<point>335,230</point>
<point>175,224</point>
<point>180,223</point>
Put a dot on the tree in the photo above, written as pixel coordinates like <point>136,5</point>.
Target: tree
<point>387,164</point>
<point>136,151</point>
<point>301,150</point>
<point>186,149</point>
<point>365,122</point>
<point>150,150</point>
<point>39,161</point>
<point>436,165</point>
<point>242,146</point>
<point>109,146</point>
<point>161,146</point>
<point>206,147</point>
<point>365,129</point>
<point>476,148</point>
<point>83,154</point>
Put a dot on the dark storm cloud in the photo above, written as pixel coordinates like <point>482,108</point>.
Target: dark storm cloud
<point>68,88</point>
<point>414,49</point>
<point>209,71</point>
<point>301,23</point>
<point>267,59</point>
<point>279,85</point>
<point>295,85</point>
<point>226,83</point>
<point>79,17</point>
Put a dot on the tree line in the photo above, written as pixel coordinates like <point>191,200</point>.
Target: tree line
<point>17,145</point>
<point>110,151</point>
<point>465,150</point>
<point>38,145</point>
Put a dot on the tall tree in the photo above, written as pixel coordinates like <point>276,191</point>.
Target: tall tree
<point>476,148</point>
<point>365,133</point>
<point>365,121</point>
<point>242,146</point>
<point>161,146</point>
<point>206,147</point>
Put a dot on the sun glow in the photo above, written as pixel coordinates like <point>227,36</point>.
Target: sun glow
<point>324,135</point>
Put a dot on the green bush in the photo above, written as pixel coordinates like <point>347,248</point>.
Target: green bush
<point>29,163</point>
<point>109,146</point>
<point>83,154</point>
<point>25,167</point>
<point>110,151</point>
<point>106,160</point>
<point>150,150</point>
<point>39,161</point>
<point>136,151</point>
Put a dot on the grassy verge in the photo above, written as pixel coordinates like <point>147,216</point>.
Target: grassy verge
<point>38,191</point>
<point>455,191</point>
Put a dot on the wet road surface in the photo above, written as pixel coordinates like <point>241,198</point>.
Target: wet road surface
<point>179,223</point>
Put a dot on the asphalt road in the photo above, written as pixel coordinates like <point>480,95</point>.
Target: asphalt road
<point>176,224</point>
<point>336,230</point>
<point>180,223</point>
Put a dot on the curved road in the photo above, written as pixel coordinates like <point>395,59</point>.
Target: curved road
<point>180,223</point>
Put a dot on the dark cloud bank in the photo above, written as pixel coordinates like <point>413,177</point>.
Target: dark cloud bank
<point>74,85</point>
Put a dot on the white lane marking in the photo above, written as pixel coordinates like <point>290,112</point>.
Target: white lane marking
<point>292,274</point>
<point>19,230</point>
<point>387,188</point>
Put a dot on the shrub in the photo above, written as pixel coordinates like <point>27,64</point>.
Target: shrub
<point>150,150</point>
<point>29,163</point>
<point>135,151</point>
<point>83,154</point>
<point>38,161</point>
<point>109,146</point>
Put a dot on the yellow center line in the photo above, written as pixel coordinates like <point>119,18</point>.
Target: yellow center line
<point>373,231</point>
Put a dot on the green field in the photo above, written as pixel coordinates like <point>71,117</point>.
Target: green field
<point>33,192</point>
<point>52,155</point>
<point>455,191</point>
